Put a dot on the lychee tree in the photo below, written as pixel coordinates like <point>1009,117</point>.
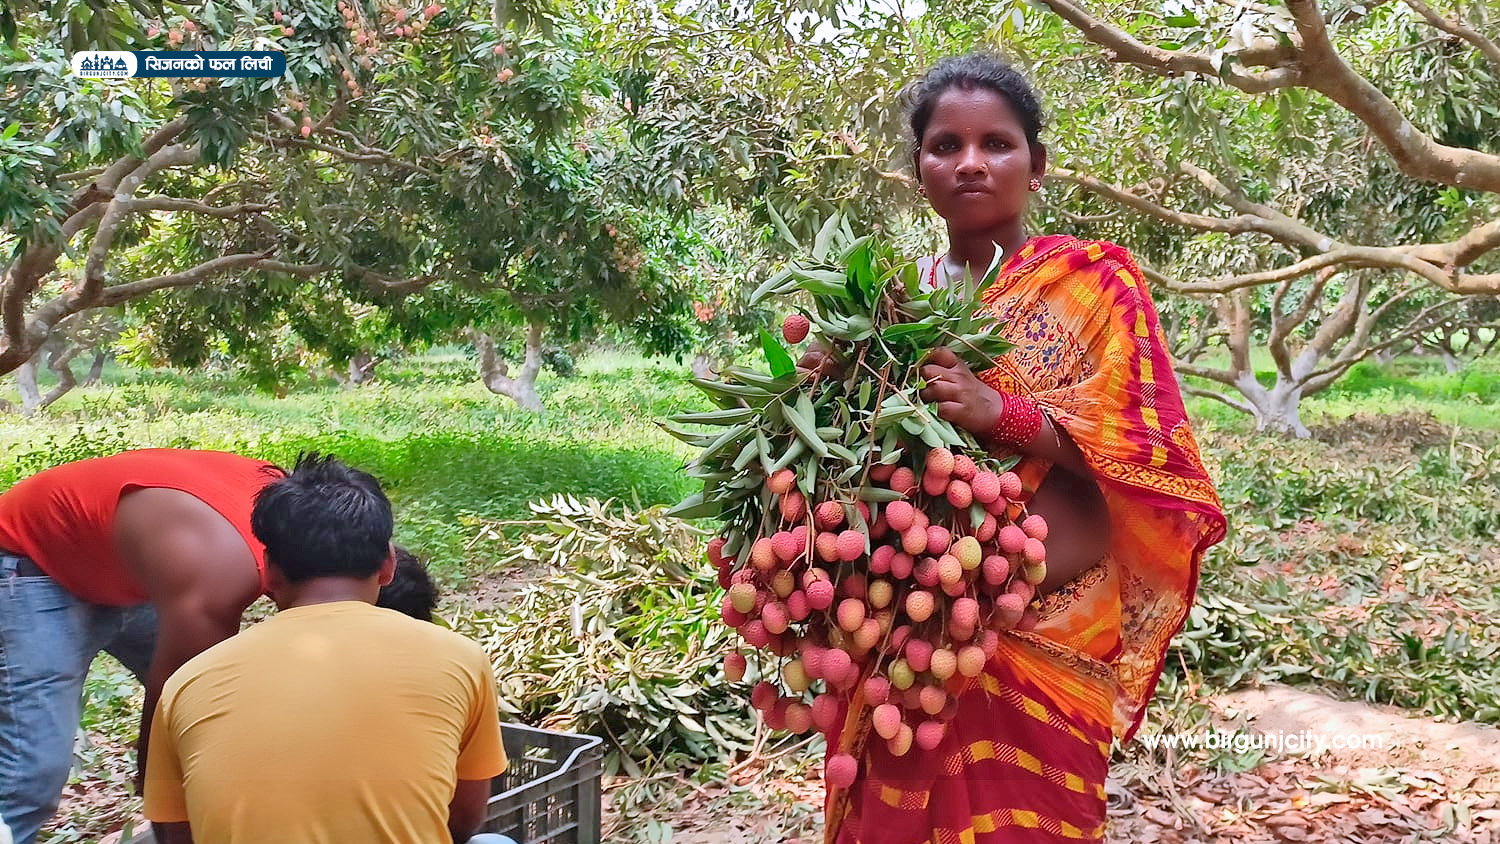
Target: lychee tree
<point>412,148</point>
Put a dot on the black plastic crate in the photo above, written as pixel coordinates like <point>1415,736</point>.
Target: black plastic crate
<point>551,793</point>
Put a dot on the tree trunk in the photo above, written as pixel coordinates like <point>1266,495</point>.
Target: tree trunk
<point>96,369</point>
<point>361,368</point>
<point>31,394</point>
<point>1276,409</point>
<point>495,373</point>
<point>1385,356</point>
<point>703,365</point>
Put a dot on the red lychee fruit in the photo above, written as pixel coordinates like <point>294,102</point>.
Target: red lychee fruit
<point>914,540</point>
<point>904,481</point>
<point>842,770</point>
<point>782,481</point>
<point>851,614</point>
<point>827,547</point>
<point>785,546</point>
<point>919,654</point>
<point>939,462</point>
<point>971,660</point>
<point>960,494</point>
<point>820,595</point>
<point>938,539</point>
<point>795,327</point>
<point>986,486</point>
<point>734,667</point>
<point>797,606</point>
<point>1035,527</point>
<point>763,696</point>
<point>963,467</point>
<point>933,699</point>
<point>793,507</point>
<point>887,720</point>
<point>944,664</point>
<point>930,734</point>
<point>919,606</point>
<point>828,515</point>
<point>825,712</point>
<point>900,515</point>
<point>1012,540</point>
<point>902,564</point>
<point>851,545</point>
<point>1010,485</point>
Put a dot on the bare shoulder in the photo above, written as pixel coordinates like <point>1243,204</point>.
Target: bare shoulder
<point>171,539</point>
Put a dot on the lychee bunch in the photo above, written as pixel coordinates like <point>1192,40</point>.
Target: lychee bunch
<point>905,597</point>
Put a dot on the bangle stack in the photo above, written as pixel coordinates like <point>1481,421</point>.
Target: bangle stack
<point>1019,423</point>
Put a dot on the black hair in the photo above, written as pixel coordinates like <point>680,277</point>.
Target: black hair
<point>324,519</point>
<point>411,591</point>
<point>967,73</point>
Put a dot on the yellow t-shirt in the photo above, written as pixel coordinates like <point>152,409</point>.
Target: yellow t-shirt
<point>338,723</point>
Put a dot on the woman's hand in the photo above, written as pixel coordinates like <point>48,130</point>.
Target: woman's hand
<point>960,396</point>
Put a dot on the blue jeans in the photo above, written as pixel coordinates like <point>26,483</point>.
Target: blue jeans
<point>48,639</point>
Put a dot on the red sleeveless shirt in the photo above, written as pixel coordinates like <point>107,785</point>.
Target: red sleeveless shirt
<point>63,518</point>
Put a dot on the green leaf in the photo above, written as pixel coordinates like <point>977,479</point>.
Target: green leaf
<point>777,357</point>
<point>877,494</point>
<point>824,240</point>
<point>781,226</point>
<point>694,507</point>
<point>729,416</point>
<point>807,432</point>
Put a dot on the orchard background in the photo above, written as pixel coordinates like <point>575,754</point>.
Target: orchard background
<point>479,248</point>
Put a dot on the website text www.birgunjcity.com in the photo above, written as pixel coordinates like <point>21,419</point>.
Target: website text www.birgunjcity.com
<point>1239,741</point>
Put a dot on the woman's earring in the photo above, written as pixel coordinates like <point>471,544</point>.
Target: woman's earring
<point>922,189</point>
<point>1036,184</point>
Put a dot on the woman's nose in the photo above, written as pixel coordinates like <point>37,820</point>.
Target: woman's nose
<point>971,162</point>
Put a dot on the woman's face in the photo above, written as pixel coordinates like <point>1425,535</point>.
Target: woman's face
<point>975,162</point>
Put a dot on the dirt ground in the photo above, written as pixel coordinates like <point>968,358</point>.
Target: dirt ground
<point>1433,781</point>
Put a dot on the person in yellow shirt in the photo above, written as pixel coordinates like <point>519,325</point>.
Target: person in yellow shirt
<point>334,721</point>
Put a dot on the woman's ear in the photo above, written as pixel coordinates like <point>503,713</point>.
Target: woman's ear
<point>1038,159</point>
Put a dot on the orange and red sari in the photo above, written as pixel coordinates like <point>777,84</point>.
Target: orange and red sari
<point>1026,757</point>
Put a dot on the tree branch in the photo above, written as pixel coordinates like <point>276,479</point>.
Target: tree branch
<point>1121,46</point>
<point>1315,64</point>
<point>1417,154</point>
<point>171,203</point>
<point>118,208</point>
<point>1243,407</point>
<point>1459,29</point>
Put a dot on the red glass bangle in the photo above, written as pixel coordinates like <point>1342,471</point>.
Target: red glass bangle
<point>1019,423</point>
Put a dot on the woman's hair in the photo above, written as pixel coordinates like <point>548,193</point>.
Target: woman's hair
<point>967,73</point>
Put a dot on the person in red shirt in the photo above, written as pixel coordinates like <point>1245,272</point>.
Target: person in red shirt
<point>147,555</point>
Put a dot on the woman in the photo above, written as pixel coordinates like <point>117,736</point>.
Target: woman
<point>1089,401</point>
